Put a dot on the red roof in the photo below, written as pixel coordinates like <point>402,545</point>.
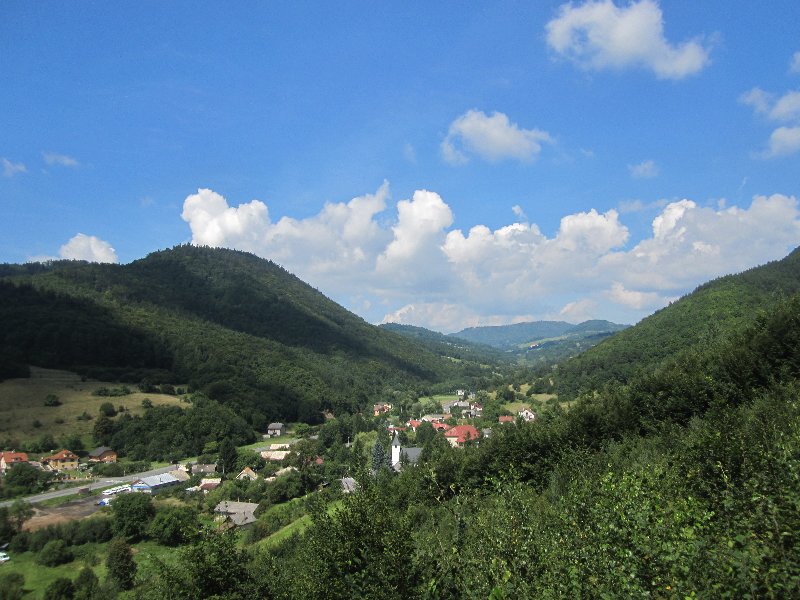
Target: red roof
<point>440,426</point>
<point>506,419</point>
<point>14,457</point>
<point>62,455</point>
<point>462,433</point>
<point>414,424</point>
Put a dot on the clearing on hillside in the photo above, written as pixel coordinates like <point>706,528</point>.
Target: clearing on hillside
<point>22,404</point>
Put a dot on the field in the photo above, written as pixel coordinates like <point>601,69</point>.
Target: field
<point>22,404</point>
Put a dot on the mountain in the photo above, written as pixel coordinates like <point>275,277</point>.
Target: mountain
<point>710,314</point>
<point>239,328</point>
<point>448,346</point>
<point>513,337</point>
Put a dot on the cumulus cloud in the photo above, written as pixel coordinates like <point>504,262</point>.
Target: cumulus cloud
<point>600,35</point>
<point>62,160</point>
<point>794,65</point>
<point>491,137</point>
<point>11,168</point>
<point>646,169</point>
<point>785,139</point>
<point>403,261</point>
<point>90,248</point>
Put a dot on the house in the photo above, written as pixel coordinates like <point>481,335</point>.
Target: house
<point>9,459</point>
<point>208,484</point>
<point>527,415</point>
<point>461,393</point>
<point>437,426</point>
<point>236,514</point>
<point>381,409</point>
<point>403,456</point>
<point>459,435</point>
<point>180,474</point>
<point>62,461</point>
<point>247,473</point>
<point>155,483</point>
<point>448,407</point>
<point>414,424</point>
<point>433,417</point>
<point>505,419</point>
<point>276,429</point>
<point>392,429</point>
<point>103,454</point>
<point>204,469</point>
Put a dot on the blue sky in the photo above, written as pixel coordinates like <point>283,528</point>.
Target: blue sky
<point>439,164</point>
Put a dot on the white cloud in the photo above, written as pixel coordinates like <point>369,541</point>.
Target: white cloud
<point>90,248</point>
<point>403,262</point>
<point>785,139</point>
<point>646,169</point>
<point>518,212</point>
<point>599,35</point>
<point>493,138</point>
<point>62,160</point>
<point>794,66</point>
<point>11,168</point>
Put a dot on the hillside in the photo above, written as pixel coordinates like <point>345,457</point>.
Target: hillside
<point>448,346</point>
<point>239,328</point>
<point>710,314</point>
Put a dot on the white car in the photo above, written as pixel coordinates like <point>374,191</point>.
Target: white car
<point>4,557</point>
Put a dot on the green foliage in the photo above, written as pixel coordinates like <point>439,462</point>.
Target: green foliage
<point>120,564</point>
<point>175,525</point>
<point>23,479</point>
<point>52,400</point>
<point>60,589</point>
<point>12,586</point>
<point>54,553</point>
<point>132,514</point>
<point>107,409</point>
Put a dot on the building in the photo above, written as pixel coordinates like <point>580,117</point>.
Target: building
<point>403,456</point>
<point>527,415</point>
<point>459,435</point>
<point>235,514</point>
<point>103,454</point>
<point>63,460</point>
<point>381,409</point>
<point>505,419</point>
<point>9,459</point>
<point>276,429</point>
<point>155,483</point>
<point>247,473</point>
<point>204,469</point>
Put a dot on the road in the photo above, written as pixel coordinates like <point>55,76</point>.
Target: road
<point>96,485</point>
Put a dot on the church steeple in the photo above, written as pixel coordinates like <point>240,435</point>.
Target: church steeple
<point>396,449</point>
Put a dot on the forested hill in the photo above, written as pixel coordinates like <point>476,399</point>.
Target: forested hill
<point>712,313</point>
<point>448,346</point>
<point>238,327</point>
<point>510,337</point>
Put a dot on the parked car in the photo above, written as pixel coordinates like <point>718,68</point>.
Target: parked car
<point>4,557</point>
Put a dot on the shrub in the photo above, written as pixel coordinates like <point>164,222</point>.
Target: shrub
<point>52,400</point>
<point>54,553</point>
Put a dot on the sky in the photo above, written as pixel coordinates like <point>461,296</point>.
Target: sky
<point>441,164</point>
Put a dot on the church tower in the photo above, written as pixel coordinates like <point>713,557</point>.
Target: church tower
<point>395,450</point>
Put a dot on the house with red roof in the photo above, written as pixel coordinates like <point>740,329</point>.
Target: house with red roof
<point>461,434</point>
<point>63,460</point>
<point>506,418</point>
<point>11,458</point>
<point>414,424</point>
<point>438,426</point>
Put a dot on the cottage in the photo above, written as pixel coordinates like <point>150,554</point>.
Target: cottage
<point>63,460</point>
<point>414,424</point>
<point>155,483</point>
<point>276,429</point>
<point>527,415</point>
<point>247,473</point>
<point>9,459</point>
<point>505,419</point>
<point>275,455</point>
<point>459,435</point>
<point>209,483</point>
<point>103,454</point>
<point>236,514</point>
<point>180,475</point>
<point>448,407</point>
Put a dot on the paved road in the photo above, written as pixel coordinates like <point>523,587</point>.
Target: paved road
<point>96,485</point>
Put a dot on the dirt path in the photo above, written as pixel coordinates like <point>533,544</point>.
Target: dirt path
<point>76,509</point>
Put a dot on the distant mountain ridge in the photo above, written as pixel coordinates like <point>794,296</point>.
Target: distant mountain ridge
<point>509,337</point>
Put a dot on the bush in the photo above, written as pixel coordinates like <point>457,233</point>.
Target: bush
<point>52,400</point>
<point>54,553</point>
<point>60,589</point>
<point>12,586</point>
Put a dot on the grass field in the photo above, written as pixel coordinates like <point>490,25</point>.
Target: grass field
<point>22,403</point>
